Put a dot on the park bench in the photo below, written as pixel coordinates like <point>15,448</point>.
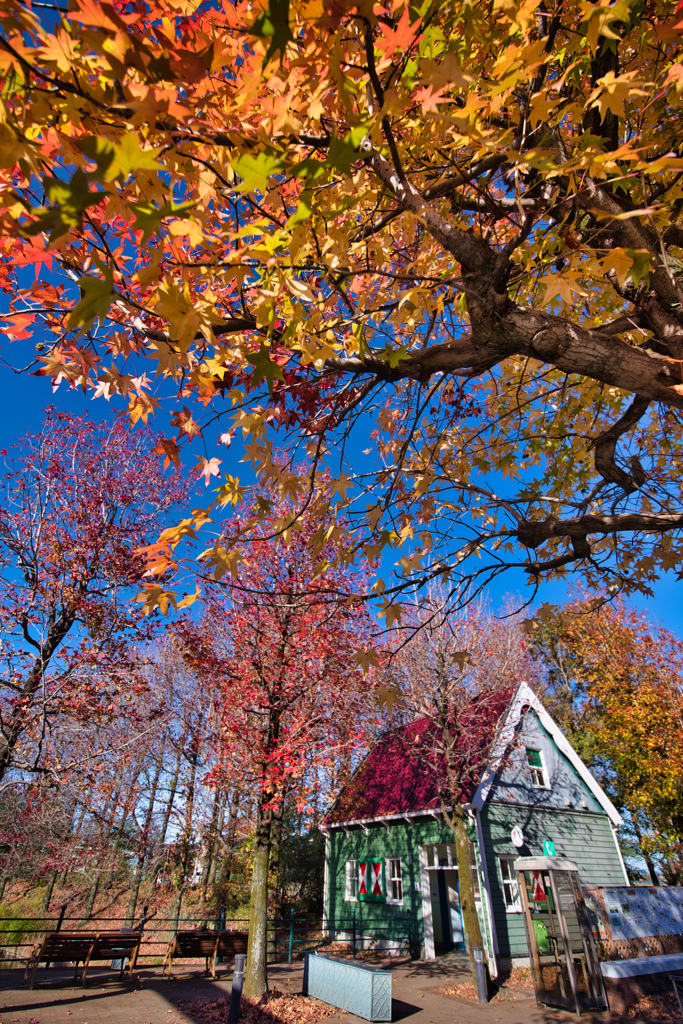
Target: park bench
<point>85,947</point>
<point>207,944</point>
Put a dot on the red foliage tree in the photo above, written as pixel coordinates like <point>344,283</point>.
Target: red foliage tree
<point>456,678</point>
<point>281,642</point>
<point>79,501</point>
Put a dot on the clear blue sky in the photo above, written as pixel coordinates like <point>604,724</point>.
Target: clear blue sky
<point>26,398</point>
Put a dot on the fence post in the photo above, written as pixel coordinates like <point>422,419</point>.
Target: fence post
<point>354,933</point>
<point>221,926</point>
<point>62,912</point>
<point>291,935</point>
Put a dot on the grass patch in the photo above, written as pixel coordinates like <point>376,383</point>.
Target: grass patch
<point>20,927</point>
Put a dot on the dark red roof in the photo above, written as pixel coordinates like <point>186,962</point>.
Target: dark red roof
<point>393,778</point>
<point>405,772</point>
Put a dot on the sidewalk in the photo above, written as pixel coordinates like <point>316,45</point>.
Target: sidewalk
<point>152,999</point>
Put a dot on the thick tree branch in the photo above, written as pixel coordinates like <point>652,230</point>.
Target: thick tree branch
<point>605,446</point>
<point>534,533</point>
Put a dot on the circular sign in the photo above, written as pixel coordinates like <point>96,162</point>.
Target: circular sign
<point>517,837</point>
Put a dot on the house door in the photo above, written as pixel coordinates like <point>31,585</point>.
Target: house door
<point>442,920</point>
<point>445,907</point>
<point>454,915</point>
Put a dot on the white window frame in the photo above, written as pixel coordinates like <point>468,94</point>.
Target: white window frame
<point>509,884</point>
<point>476,873</point>
<point>391,878</point>
<point>351,881</point>
<point>543,769</point>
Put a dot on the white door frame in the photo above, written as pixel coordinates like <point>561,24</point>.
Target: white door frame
<point>427,919</point>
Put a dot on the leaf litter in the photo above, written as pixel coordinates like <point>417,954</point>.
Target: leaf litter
<point>273,1008</point>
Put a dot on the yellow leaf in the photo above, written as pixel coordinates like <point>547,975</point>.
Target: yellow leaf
<point>191,229</point>
<point>140,407</point>
<point>620,262</point>
<point>389,695</point>
<point>154,596</point>
<point>391,613</point>
<point>365,658</point>
<point>565,285</point>
<point>189,599</point>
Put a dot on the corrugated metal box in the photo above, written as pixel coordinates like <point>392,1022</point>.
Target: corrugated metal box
<point>357,988</point>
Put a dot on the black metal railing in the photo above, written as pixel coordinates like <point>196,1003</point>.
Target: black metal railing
<point>288,937</point>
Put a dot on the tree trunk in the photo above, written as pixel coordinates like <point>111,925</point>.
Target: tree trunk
<point>186,843</point>
<point>274,873</point>
<point>468,906</point>
<point>11,733</point>
<point>137,874</point>
<point>646,857</point>
<point>274,860</point>
<point>47,895</point>
<point>256,976</point>
<point>175,912</point>
<point>219,832</point>
<point>92,895</point>
<point>210,844</point>
<point>134,891</point>
<point>173,790</point>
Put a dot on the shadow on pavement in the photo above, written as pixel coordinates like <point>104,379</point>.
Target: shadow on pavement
<point>401,1010</point>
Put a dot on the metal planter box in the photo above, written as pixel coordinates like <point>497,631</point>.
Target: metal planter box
<point>357,988</point>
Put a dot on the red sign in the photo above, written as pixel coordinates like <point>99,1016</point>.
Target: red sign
<point>539,892</point>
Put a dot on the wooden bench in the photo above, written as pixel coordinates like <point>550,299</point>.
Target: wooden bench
<point>85,947</point>
<point>210,945</point>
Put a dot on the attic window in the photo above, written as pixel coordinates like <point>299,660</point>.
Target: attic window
<point>539,778</point>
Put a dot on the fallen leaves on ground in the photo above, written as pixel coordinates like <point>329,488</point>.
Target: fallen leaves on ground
<point>661,1007</point>
<point>462,989</point>
<point>273,1008</point>
<point>467,990</point>
<point>520,977</point>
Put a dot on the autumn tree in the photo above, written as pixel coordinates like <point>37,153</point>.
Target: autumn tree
<point>79,501</point>
<point>614,683</point>
<point>456,677</point>
<point>277,646</point>
<point>458,222</point>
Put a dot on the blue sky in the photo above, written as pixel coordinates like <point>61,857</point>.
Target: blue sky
<point>27,396</point>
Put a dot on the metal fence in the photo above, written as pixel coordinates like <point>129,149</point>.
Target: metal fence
<point>394,937</point>
<point>288,938</point>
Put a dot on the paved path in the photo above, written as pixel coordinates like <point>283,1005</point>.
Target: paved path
<point>150,999</point>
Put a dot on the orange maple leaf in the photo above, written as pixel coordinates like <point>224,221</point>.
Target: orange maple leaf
<point>402,38</point>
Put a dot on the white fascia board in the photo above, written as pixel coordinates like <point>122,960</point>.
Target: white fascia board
<point>386,817</point>
<point>525,697</point>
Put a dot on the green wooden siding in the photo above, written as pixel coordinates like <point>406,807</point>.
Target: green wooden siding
<point>399,841</point>
<point>585,838</point>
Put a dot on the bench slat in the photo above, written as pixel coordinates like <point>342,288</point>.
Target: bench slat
<point>206,944</point>
<point>73,947</point>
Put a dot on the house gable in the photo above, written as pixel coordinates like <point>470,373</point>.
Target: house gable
<point>525,700</point>
<point>564,788</point>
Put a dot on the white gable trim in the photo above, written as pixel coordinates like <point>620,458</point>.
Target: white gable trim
<point>525,697</point>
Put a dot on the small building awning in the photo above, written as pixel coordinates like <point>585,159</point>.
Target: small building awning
<point>544,864</point>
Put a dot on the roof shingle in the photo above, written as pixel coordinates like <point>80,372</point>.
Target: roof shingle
<point>405,770</point>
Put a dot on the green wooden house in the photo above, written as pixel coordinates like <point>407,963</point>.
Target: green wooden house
<point>390,863</point>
